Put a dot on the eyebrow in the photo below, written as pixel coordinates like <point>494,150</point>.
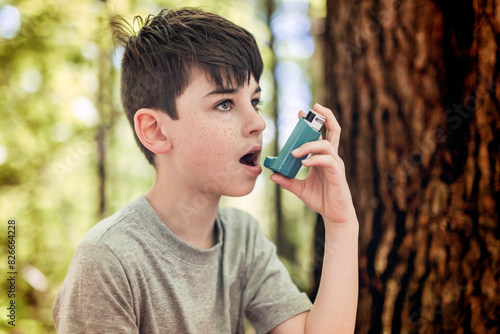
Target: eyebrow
<point>229,91</point>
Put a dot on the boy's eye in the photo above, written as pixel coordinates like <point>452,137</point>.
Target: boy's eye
<point>224,106</point>
<point>256,103</point>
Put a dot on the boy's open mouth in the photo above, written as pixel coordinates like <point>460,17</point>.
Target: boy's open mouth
<point>250,159</point>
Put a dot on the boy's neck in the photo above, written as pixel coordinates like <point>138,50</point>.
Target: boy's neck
<point>191,217</point>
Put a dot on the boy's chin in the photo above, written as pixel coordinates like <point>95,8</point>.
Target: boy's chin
<point>241,190</point>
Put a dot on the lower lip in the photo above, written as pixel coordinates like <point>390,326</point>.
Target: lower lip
<point>255,170</point>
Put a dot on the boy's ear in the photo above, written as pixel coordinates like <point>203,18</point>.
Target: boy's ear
<point>148,127</point>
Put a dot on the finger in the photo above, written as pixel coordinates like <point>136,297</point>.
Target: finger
<point>332,125</point>
<point>294,186</point>
<point>332,164</point>
<point>314,147</point>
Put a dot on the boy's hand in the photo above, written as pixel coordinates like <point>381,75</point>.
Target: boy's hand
<point>325,189</point>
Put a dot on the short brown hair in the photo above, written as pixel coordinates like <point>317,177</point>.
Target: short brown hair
<point>158,60</point>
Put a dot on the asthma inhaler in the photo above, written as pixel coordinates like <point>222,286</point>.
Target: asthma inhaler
<point>306,130</point>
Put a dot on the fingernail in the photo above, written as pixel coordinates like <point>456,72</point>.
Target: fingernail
<point>319,105</point>
<point>296,151</point>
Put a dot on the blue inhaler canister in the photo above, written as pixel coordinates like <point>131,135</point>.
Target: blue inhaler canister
<point>306,130</point>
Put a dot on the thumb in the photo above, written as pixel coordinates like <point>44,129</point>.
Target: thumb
<point>292,185</point>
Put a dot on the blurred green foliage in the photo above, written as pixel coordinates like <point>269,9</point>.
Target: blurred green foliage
<point>59,97</point>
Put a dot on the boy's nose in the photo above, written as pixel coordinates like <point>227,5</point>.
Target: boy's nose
<point>255,123</point>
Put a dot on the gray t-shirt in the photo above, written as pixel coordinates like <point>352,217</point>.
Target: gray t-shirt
<point>131,274</point>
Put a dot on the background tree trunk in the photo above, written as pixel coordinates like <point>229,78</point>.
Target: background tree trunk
<point>414,84</point>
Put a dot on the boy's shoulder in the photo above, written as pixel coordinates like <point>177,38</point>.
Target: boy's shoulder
<point>121,223</point>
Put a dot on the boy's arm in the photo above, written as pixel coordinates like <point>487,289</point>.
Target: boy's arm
<point>325,191</point>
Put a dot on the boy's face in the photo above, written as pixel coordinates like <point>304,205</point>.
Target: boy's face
<point>216,141</point>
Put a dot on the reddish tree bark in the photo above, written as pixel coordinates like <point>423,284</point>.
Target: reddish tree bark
<point>415,87</point>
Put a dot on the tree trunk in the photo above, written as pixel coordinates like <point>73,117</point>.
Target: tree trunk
<point>105,105</point>
<point>414,85</point>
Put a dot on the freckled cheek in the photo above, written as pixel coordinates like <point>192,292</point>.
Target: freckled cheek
<point>210,148</point>
<point>230,133</point>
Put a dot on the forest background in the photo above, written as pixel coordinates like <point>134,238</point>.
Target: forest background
<point>414,85</point>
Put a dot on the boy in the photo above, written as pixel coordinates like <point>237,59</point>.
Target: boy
<point>172,261</point>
